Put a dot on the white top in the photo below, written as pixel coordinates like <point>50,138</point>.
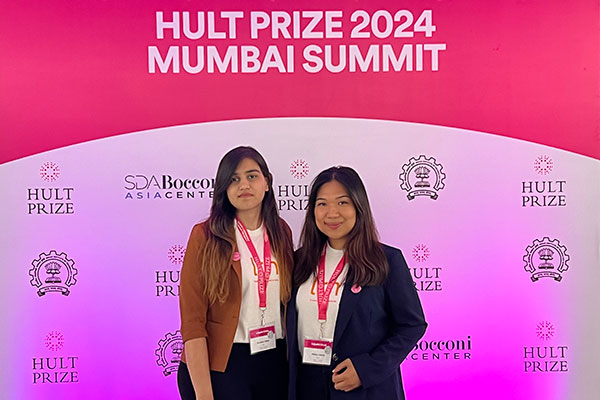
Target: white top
<point>306,301</point>
<point>249,310</point>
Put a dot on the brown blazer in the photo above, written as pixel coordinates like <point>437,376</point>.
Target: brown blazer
<point>217,322</point>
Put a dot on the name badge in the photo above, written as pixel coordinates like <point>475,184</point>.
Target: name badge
<point>317,351</point>
<point>262,338</point>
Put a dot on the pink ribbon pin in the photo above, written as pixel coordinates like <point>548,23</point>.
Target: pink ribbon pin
<point>355,289</point>
<point>236,256</point>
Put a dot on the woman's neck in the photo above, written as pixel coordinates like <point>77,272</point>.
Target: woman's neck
<point>338,244</point>
<point>250,218</point>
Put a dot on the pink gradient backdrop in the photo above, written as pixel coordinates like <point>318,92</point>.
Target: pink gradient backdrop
<point>476,231</point>
<point>518,80</point>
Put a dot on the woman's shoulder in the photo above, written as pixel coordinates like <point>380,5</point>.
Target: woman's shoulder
<point>398,272</point>
<point>199,231</point>
<point>393,254</point>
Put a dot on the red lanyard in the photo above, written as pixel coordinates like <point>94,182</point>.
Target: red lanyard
<point>323,292</point>
<point>264,270</point>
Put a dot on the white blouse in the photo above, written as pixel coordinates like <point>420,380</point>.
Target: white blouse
<point>249,310</point>
<point>306,301</point>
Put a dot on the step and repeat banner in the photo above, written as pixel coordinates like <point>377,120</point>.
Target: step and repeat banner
<point>474,127</point>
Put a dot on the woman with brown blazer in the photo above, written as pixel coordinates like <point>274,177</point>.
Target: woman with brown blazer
<point>235,279</point>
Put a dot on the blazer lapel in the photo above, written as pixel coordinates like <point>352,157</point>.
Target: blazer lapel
<point>347,306</point>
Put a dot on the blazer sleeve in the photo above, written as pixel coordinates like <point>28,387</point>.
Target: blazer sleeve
<point>407,324</point>
<point>193,304</point>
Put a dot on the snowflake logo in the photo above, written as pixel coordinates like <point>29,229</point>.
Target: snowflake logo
<point>543,165</point>
<point>176,253</point>
<point>49,171</point>
<point>544,330</point>
<point>299,169</point>
<point>54,340</point>
<point>420,253</point>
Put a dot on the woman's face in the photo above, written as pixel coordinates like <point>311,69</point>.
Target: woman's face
<point>335,213</point>
<point>248,186</point>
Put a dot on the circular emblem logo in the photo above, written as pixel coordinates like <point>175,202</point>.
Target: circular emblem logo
<point>176,254</point>
<point>49,171</point>
<point>422,176</point>
<point>543,165</point>
<point>299,169</point>
<point>53,272</point>
<point>544,330</point>
<point>54,340</point>
<point>546,258</point>
<point>169,352</point>
<point>420,253</point>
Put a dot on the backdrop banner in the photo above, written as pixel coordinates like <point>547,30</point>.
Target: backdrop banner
<point>474,126</point>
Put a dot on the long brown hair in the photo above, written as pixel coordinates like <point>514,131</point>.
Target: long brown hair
<point>220,234</point>
<point>364,254</point>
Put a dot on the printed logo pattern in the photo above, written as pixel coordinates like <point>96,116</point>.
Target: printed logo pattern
<point>59,272</point>
<point>543,165</point>
<point>54,340</point>
<point>49,171</point>
<point>546,358</point>
<point>420,253</point>
<point>546,258</point>
<point>168,353</point>
<point>422,176</point>
<point>299,169</point>
<point>176,254</point>
<point>545,330</point>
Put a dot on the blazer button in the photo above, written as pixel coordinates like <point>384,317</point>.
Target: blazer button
<point>334,357</point>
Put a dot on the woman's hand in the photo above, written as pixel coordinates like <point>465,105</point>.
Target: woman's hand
<point>345,377</point>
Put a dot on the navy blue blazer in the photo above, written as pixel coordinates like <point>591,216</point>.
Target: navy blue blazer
<point>376,328</point>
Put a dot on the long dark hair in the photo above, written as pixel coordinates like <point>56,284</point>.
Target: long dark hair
<point>364,254</point>
<point>220,233</point>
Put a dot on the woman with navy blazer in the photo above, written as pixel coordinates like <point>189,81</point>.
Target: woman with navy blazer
<point>354,313</point>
